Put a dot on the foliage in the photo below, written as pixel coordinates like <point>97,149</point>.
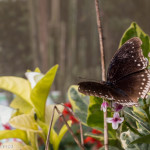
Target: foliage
<point>135,130</point>
<point>32,116</point>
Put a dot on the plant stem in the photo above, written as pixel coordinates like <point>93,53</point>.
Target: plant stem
<point>103,68</point>
<point>100,39</point>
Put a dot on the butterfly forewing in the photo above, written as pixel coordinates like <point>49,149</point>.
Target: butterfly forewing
<point>94,89</point>
<point>127,60</point>
<point>102,90</point>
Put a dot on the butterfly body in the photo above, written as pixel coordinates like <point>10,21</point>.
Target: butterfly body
<point>127,77</point>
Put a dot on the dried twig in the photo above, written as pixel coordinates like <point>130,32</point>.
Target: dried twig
<point>49,131</point>
<point>80,125</point>
<point>103,68</point>
<point>69,129</point>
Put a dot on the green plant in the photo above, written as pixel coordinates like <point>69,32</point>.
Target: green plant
<point>32,117</point>
<point>136,123</point>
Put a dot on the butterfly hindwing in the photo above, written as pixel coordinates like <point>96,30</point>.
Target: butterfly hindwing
<point>127,60</point>
<point>135,85</point>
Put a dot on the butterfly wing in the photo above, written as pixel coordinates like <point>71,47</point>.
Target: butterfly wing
<point>135,85</point>
<point>103,90</point>
<point>127,78</point>
<point>127,60</point>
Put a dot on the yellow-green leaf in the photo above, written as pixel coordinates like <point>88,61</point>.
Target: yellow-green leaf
<point>21,104</point>
<point>25,122</point>
<point>40,92</point>
<point>16,133</point>
<point>17,86</point>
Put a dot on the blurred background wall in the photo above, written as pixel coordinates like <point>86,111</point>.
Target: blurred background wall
<point>42,33</point>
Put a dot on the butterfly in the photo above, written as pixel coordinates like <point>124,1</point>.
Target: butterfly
<point>128,78</point>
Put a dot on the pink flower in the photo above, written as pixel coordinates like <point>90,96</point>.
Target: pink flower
<point>104,106</point>
<point>115,120</point>
<point>117,107</point>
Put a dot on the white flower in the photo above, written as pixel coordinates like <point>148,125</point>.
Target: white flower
<point>33,77</point>
<point>115,120</point>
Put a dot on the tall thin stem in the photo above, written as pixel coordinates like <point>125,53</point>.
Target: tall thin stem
<point>103,67</point>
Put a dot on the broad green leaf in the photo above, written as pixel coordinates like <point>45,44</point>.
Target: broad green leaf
<point>135,31</point>
<point>6,113</point>
<point>134,117</point>
<point>16,133</point>
<point>95,117</point>
<point>62,132</point>
<point>40,92</point>
<point>140,112</point>
<point>21,104</point>
<point>15,146</point>
<point>49,111</point>
<point>25,122</point>
<point>79,103</point>
<point>143,139</point>
<point>17,86</point>
<point>128,137</point>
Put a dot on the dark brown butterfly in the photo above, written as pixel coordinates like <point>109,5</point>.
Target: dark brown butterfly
<point>127,76</point>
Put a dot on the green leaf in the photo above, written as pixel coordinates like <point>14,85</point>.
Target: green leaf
<point>135,31</point>
<point>79,103</point>
<point>21,104</point>
<point>134,117</point>
<point>25,122</point>
<point>128,137</point>
<point>143,139</point>
<point>17,86</point>
<point>95,115</point>
<point>40,92</point>
<point>140,112</point>
<point>16,133</point>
